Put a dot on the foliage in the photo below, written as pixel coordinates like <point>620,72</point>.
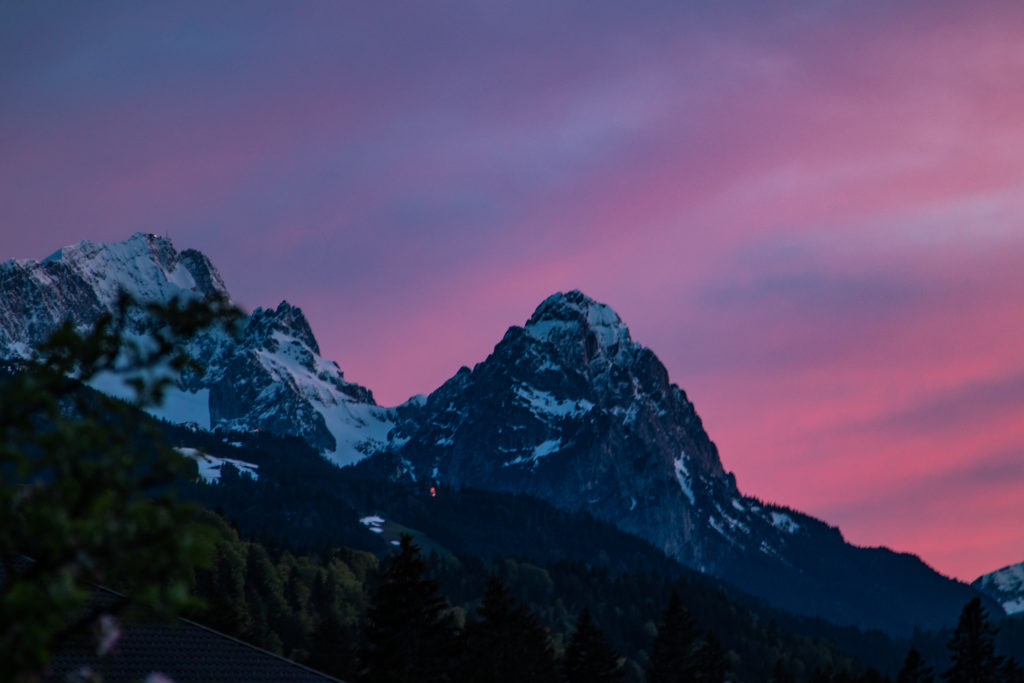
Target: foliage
<point>675,651</point>
<point>84,484</point>
<point>915,670</point>
<point>590,658</point>
<point>410,634</point>
<point>972,648</point>
<point>506,642</point>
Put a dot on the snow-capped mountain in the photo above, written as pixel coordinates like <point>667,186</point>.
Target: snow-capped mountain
<point>570,409</point>
<point>567,408</point>
<point>270,376</point>
<point>1005,586</point>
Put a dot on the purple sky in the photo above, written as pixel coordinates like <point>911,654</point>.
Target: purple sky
<point>811,212</point>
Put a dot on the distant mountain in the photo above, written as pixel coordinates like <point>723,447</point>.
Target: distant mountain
<point>1005,586</point>
<point>270,376</point>
<point>567,408</point>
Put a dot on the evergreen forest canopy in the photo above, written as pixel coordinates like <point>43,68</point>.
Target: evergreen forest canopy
<point>459,585</point>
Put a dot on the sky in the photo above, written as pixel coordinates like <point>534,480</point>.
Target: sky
<point>810,211</point>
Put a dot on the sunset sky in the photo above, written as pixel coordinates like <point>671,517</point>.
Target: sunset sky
<point>813,212</point>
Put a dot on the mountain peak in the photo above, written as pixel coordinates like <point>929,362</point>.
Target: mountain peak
<point>576,314</point>
<point>287,318</point>
<point>145,265</point>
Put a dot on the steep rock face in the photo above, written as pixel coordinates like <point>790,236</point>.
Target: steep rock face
<point>268,376</point>
<point>274,378</point>
<point>1005,586</point>
<point>570,409</point>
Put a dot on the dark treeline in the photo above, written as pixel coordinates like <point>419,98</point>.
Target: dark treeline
<point>346,614</point>
<point>282,589</point>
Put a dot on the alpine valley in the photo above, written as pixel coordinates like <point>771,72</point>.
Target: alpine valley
<point>568,411</point>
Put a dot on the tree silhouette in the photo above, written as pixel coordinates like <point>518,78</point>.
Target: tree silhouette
<point>506,642</point>
<point>915,670</point>
<point>675,647</point>
<point>589,658</point>
<point>1011,671</point>
<point>85,481</point>
<point>410,634</point>
<point>973,648</point>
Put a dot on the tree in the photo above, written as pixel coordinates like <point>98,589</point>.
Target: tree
<point>713,664</point>
<point>781,674</point>
<point>675,650</point>
<point>506,642</point>
<point>915,670</point>
<point>85,495</point>
<point>410,634</point>
<point>973,648</point>
<point>589,658</point>
<point>1011,671</point>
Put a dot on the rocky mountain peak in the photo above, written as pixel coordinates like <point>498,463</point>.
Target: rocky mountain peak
<point>573,316</point>
<point>146,266</point>
<point>287,319</point>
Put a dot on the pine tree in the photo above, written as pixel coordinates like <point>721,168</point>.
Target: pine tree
<point>506,642</point>
<point>781,674</point>
<point>410,634</point>
<point>589,658</point>
<point>973,648</point>
<point>713,664</point>
<point>675,650</point>
<point>915,670</point>
<point>1011,671</point>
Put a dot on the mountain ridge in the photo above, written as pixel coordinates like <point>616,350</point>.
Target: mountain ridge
<point>567,408</point>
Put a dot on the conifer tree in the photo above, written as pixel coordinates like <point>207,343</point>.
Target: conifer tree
<point>1011,671</point>
<point>410,634</point>
<point>973,648</point>
<point>781,674</point>
<point>589,658</point>
<point>915,670</point>
<point>675,650</point>
<point>506,642</point>
<point>713,664</point>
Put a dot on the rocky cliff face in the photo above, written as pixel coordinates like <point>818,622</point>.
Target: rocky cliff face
<point>571,409</point>
<point>269,376</point>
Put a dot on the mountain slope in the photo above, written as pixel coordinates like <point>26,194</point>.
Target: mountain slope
<point>267,376</point>
<point>1005,586</point>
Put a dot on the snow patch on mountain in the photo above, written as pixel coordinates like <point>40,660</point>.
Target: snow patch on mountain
<point>684,478</point>
<point>545,405</point>
<point>784,522</point>
<point>210,466</point>
<point>374,523</point>
<point>179,405</point>
<point>1006,586</point>
<point>534,455</point>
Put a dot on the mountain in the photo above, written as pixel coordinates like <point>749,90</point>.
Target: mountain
<point>568,409</point>
<point>268,376</point>
<point>1005,586</point>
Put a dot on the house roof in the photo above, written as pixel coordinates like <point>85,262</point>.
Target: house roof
<point>180,649</point>
<point>183,651</point>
